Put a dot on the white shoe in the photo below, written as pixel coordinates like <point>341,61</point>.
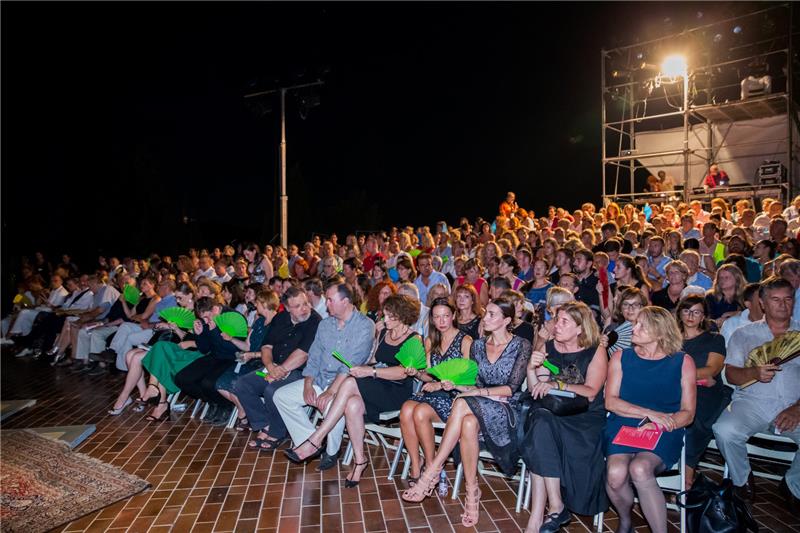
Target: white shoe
<point>24,353</point>
<point>6,342</point>
<point>117,412</point>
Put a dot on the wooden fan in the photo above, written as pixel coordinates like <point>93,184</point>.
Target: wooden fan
<point>775,352</point>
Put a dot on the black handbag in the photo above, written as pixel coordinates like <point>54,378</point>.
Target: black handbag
<point>714,508</point>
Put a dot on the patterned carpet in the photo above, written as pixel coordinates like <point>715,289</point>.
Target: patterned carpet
<point>44,484</point>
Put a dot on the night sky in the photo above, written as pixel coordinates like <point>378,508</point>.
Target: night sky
<point>121,119</point>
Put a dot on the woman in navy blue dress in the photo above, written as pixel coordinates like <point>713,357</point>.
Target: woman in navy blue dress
<point>653,380</point>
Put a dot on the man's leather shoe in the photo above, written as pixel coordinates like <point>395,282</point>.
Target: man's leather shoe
<point>792,501</point>
<point>106,356</point>
<point>327,461</point>
<point>211,413</point>
<point>746,492</point>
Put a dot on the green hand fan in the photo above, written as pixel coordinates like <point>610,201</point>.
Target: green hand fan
<point>459,371</point>
<point>415,252</point>
<point>342,360</point>
<point>412,354</point>
<point>131,294</point>
<point>232,323</point>
<point>181,317</point>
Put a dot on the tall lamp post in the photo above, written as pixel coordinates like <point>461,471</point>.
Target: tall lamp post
<point>284,198</point>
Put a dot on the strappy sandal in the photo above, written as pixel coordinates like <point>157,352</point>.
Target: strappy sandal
<point>141,403</point>
<point>164,416</point>
<point>349,483</point>
<point>424,487</point>
<point>293,457</point>
<point>414,480</point>
<point>471,506</point>
<point>242,424</point>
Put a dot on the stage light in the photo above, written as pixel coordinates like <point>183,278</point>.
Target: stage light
<point>718,38</point>
<point>640,55</point>
<point>674,66</point>
<point>737,30</point>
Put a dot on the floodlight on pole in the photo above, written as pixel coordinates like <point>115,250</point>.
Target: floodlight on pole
<point>674,66</point>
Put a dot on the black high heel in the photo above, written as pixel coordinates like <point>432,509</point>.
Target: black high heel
<point>293,457</point>
<point>164,416</point>
<point>349,483</point>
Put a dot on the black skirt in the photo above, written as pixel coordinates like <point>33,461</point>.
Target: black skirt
<point>381,395</point>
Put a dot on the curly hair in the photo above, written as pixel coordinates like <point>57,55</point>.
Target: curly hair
<point>405,308</point>
<point>373,304</point>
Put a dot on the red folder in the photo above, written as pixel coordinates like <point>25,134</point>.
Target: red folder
<point>645,439</point>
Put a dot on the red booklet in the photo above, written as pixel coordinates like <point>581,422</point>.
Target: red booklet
<point>645,439</point>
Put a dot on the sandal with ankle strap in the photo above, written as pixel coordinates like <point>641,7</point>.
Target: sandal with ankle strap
<point>349,483</point>
<point>424,487</point>
<point>471,507</point>
<point>293,457</point>
<point>164,416</point>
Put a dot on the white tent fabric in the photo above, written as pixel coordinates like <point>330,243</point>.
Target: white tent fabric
<point>734,148</point>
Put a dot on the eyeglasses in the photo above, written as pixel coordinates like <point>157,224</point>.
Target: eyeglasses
<point>692,312</point>
<point>631,305</point>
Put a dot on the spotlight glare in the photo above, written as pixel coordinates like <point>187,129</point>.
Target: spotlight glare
<point>737,30</point>
<point>718,38</point>
<point>674,66</point>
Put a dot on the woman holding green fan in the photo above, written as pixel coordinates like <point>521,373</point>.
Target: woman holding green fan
<point>371,389</point>
<point>433,404</point>
<point>483,414</point>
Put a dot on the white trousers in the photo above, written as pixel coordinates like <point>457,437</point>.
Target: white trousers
<point>92,341</point>
<point>128,335</point>
<point>292,408</point>
<point>24,322</point>
<point>740,421</point>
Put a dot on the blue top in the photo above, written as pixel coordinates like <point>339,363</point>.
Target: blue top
<point>652,384</point>
<point>165,303</point>
<point>538,296</point>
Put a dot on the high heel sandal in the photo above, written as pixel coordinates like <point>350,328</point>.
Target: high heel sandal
<point>142,403</point>
<point>414,480</point>
<point>293,457</point>
<point>349,483</point>
<point>164,416</point>
<point>471,507</point>
<point>117,412</point>
<point>424,487</point>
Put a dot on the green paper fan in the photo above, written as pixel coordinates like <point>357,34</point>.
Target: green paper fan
<point>341,359</point>
<point>232,323</point>
<point>412,354</point>
<point>459,371</point>
<point>131,294</point>
<point>415,252</point>
<point>181,317</point>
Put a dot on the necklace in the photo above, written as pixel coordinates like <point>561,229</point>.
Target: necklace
<point>398,337</point>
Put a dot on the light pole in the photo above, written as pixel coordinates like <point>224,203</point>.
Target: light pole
<point>284,198</point>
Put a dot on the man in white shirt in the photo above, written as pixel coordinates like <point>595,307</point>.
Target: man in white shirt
<point>221,274</point>
<point>204,268</point>
<point>316,296</point>
<point>24,322</point>
<point>767,398</point>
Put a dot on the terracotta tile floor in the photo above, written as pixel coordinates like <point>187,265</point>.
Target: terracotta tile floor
<point>203,478</point>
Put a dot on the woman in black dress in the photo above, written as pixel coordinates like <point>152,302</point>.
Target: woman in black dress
<point>565,453</point>
<point>432,403</point>
<point>468,310</point>
<point>483,414</point>
<point>677,273</point>
<point>707,348</point>
<point>373,388</point>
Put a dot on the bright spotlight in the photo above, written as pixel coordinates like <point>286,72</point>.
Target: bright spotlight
<point>673,66</point>
<point>737,30</point>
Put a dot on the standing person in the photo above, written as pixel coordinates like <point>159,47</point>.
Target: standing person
<point>654,380</point>
<point>432,404</point>
<point>707,348</point>
<point>509,207</point>
<point>347,332</point>
<point>565,453</point>
<point>772,403</point>
<point>428,277</point>
<point>481,413</point>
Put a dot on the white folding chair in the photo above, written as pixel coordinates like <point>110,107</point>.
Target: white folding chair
<point>765,447</point>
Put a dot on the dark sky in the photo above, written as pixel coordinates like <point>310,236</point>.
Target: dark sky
<point>119,119</point>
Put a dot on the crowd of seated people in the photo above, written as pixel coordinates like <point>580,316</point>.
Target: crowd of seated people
<point>650,316</point>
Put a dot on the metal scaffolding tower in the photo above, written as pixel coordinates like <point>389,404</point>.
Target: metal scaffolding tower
<point>703,102</point>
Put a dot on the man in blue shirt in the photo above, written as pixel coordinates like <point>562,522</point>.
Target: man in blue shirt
<point>428,277</point>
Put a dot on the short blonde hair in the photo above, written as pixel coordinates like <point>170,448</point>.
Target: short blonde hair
<point>661,325</point>
<point>558,296</point>
<point>677,264</point>
<point>580,313</point>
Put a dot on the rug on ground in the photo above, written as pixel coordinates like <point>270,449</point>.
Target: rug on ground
<point>44,484</point>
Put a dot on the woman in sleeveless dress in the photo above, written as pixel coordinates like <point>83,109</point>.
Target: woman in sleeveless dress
<point>370,389</point>
<point>565,453</point>
<point>432,403</point>
<point>652,382</point>
<point>469,310</point>
<point>483,414</point>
